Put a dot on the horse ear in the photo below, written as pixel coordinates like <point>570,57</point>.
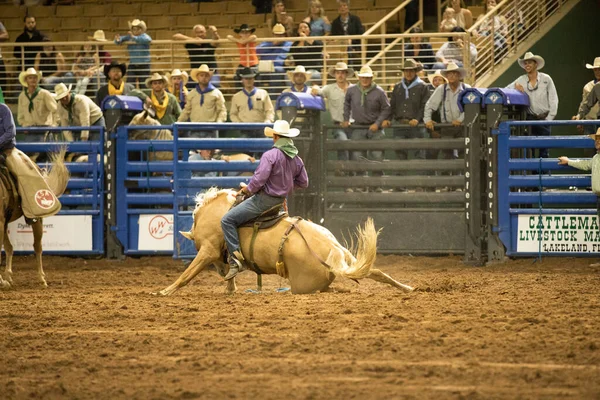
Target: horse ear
<point>187,235</point>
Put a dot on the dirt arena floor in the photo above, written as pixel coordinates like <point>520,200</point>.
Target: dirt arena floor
<point>519,330</point>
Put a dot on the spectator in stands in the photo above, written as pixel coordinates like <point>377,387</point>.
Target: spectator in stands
<point>543,99</point>
<point>78,110</point>
<point>445,99</point>
<point>408,101</point>
<point>369,106</point>
<point>30,35</point>
<point>335,94</point>
<point>280,16</point>
<point>202,50</point>
<point>464,17</point>
<point>308,52</point>
<point>594,110</point>
<point>273,56</point>
<point>449,22</point>
<point>205,103</point>
<point>500,29</point>
<point>453,51</point>
<point>418,50</point>
<point>263,6</point>
<point>348,24</point>
<point>246,44</point>
<point>105,56</point>
<point>436,79</point>
<point>36,106</point>
<point>251,104</point>
<point>317,20</point>
<point>3,38</point>
<point>164,103</point>
<point>138,46</point>
<point>116,85</point>
<point>51,63</point>
<point>177,85</point>
<point>86,69</point>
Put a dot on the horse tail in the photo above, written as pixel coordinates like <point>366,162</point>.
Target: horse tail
<point>59,175</point>
<point>365,252</point>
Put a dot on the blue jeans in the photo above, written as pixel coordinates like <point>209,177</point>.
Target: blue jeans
<point>375,155</point>
<point>95,135</point>
<point>441,65</point>
<point>244,212</point>
<point>539,130</point>
<point>340,134</point>
<point>410,133</point>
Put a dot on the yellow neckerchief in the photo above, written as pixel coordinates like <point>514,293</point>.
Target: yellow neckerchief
<point>160,108</point>
<point>113,91</point>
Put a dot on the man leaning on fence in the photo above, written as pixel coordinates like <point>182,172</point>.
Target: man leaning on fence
<point>594,110</point>
<point>164,103</point>
<point>251,104</point>
<point>78,110</point>
<point>369,106</point>
<point>116,85</point>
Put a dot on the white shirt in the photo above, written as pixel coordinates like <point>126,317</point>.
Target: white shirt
<point>447,104</point>
<point>542,98</point>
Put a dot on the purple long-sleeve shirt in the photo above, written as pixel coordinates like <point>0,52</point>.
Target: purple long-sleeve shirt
<point>278,174</point>
<point>7,128</point>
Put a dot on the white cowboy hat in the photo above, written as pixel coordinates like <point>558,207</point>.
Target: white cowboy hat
<point>595,65</point>
<point>281,128</point>
<point>278,29</point>
<point>365,72</point>
<point>452,67</point>
<point>98,36</point>
<point>156,77</point>
<point>299,70</point>
<point>177,72</point>
<point>437,73</point>
<point>594,135</point>
<point>29,72</point>
<point>341,66</point>
<point>530,56</point>
<point>137,22</point>
<point>61,90</point>
<point>202,68</point>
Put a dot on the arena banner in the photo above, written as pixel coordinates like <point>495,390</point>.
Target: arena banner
<point>558,233</point>
<point>61,233</point>
<point>156,232</point>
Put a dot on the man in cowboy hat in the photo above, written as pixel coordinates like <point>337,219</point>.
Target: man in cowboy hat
<point>299,76</point>
<point>138,46</point>
<point>369,106</point>
<point>335,93</point>
<point>201,50</point>
<point>593,166</point>
<point>274,54</point>
<point>251,104</point>
<point>408,101</point>
<point>36,106</point>
<point>279,172</point>
<point>30,183</point>
<point>78,110</point>
<point>543,99</point>
<point>116,85</point>
<point>177,85</point>
<point>587,89</point>
<point>445,99</point>
<point>164,103</point>
<point>205,103</point>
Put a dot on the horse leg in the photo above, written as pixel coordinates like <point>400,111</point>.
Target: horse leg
<point>8,249</point>
<point>203,259</point>
<point>380,276</point>
<point>4,284</point>
<point>38,232</point>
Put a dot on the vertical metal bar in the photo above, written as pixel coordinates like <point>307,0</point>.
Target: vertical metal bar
<point>324,74</point>
<point>176,248</point>
<point>383,58</point>
<point>421,23</point>
<point>492,37</point>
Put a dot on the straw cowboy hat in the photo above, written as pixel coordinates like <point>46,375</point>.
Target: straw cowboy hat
<point>137,22</point>
<point>114,64</point>
<point>247,73</point>
<point>365,72</point>
<point>278,29</point>
<point>595,65</point>
<point>98,36</point>
<point>437,73</point>
<point>156,77</point>
<point>341,66</point>
<point>409,63</point>
<point>177,72</point>
<point>61,90</point>
<point>452,67</point>
<point>281,128</point>
<point>594,135</point>
<point>530,56</point>
<point>202,68</point>
<point>244,27</point>
<point>299,70</point>
<point>29,72</point>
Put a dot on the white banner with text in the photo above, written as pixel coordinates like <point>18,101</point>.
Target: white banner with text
<point>156,232</point>
<point>61,233</point>
<point>552,233</point>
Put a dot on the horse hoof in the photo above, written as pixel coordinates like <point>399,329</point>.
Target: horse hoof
<point>5,285</point>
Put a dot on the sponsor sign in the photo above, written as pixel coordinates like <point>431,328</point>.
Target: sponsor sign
<point>558,234</point>
<point>155,232</point>
<point>61,233</point>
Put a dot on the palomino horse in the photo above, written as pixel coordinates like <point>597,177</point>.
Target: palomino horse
<point>303,252</point>
<point>148,134</point>
<point>10,204</point>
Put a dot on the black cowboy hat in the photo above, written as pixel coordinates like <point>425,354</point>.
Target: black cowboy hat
<point>114,64</point>
<point>247,73</point>
<point>244,27</point>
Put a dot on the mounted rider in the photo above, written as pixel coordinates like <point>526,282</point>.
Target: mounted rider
<point>280,171</point>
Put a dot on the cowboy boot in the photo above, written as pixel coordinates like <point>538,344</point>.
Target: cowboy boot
<point>235,265</point>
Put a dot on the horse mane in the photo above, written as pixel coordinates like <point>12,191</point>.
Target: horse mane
<point>205,198</point>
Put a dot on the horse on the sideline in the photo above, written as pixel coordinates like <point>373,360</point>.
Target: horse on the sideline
<point>144,118</point>
<point>308,254</point>
<point>10,205</point>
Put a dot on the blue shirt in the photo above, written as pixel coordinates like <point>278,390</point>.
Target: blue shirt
<point>8,130</point>
<point>277,174</point>
<point>138,48</point>
<point>318,27</point>
<point>276,52</point>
